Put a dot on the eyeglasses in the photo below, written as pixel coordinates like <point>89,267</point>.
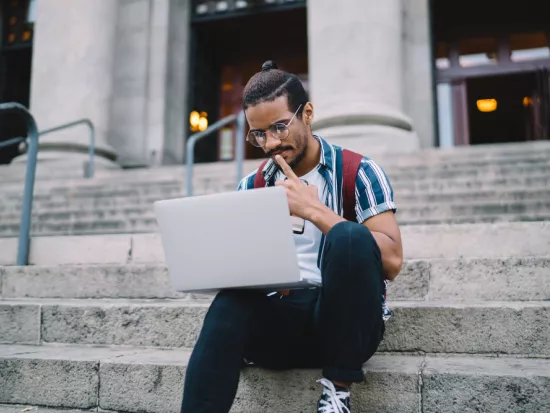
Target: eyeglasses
<point>279,131</point>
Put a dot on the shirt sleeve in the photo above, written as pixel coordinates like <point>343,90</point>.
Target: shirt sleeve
<point>247,182</point>
<point>373,191</point>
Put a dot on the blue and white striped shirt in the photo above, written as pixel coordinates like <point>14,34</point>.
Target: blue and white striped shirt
<point>373,191</point>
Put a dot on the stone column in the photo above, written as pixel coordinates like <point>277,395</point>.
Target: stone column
<point>71,78</point>
<point>356,74</point>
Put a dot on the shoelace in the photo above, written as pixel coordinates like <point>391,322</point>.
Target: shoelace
<point>334,402</point>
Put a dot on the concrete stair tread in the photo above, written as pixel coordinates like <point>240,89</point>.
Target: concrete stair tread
<point>147,224</point>
<point>94,186</point>
<point>151,381</point>
<point>32,409</point>
<point>517,278</point>
<point>444,326</point>
<point>226,173</point>
<point>419,241</point>
<point>406,210</point>
<point>408,197</point>
<point>204,300</point>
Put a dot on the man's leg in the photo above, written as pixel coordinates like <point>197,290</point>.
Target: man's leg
<point>239,324</point>
<point>349,312</point>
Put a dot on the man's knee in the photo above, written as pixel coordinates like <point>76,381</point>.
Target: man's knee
<point>347,236</point>
<point>351,252</point>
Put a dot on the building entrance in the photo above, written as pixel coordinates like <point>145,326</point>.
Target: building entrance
<point>492,74</point>
<point>15,68</point>
<point>507,108</point>
<point>228,48</point>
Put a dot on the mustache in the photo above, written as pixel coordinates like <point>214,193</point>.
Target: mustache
<point>275,151</point>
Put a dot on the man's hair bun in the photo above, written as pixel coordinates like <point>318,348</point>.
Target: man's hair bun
<point>270,64</point>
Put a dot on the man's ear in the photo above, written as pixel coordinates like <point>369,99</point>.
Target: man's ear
<point>307,113</point>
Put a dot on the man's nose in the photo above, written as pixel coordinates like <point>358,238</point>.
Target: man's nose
<point>271,142</point>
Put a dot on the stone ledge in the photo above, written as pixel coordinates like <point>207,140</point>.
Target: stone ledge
<point>518,328</point>
<point>514,279</point>
<point>498,240</point>
<point>151,381</point>
<point>13,408</point>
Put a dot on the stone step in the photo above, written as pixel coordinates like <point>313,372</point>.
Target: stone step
<point>14,408</point>
<point>431,158</point>
<point>501,240</point>
<point>151,381</point>
<point>425,159</point>
<point>503,279</point>
<point>516,328</point>
<point>213,175</point>
<point>406,211</point>
<point>147,224</point>
<point>104,200</point>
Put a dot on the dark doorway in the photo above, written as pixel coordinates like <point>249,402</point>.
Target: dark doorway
<point>227,52</point>
<point>15,87</point>
<point>512,120</point>
<point>17,21</point>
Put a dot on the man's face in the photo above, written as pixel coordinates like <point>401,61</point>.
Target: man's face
<point>264,115</point>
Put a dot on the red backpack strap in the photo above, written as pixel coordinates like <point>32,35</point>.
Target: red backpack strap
<point>350,165</point>
<point>259,181</point>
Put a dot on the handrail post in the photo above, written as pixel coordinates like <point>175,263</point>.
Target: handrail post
<point>28,192</point>
<point>90,171</point>
<point>241,119</point>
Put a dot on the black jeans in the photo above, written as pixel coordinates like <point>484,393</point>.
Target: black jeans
<point>337,327</point>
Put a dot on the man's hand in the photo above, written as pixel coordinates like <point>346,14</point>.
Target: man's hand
<point>302,199</point>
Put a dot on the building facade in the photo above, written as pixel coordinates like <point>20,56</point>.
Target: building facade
<point>392,75</point>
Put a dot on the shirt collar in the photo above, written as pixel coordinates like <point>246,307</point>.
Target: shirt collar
<point>327,152</point>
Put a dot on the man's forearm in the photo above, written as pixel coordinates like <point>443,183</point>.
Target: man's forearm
<point>324,218</point>
<point>391,259</point>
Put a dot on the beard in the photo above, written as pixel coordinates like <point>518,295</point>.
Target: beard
<point>300,150</point>
<point>301,153</point>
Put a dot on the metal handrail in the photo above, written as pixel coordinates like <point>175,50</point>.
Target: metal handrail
<point>89,173</point>
<point>239,150</point>
<point>26,209</point>
<point>11,141</point>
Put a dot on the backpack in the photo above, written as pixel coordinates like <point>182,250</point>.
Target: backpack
<point>350,165</point>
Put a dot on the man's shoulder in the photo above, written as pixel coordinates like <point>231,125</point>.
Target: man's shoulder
<point>247,182</point>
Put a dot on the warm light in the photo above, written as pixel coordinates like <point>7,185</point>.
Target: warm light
<point>202,8</point>
<point>527,101</point>
<point>222,6</point>
<point>26,35</point>
<point>487,105</point>
<point>194,119</point>
<point>203,124</point>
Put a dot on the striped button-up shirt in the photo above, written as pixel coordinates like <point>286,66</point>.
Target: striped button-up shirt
<point>373,191</point>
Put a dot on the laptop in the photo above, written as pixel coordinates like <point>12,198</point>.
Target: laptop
<point>240,239</point>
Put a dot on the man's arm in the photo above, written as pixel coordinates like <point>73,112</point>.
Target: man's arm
<point>386,232</point>
<point>384,229</point>
<point>376,210</point>
<point>375,201</point>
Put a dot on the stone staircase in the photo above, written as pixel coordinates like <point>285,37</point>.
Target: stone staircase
<point>93,323</point>
<point>482,184</point>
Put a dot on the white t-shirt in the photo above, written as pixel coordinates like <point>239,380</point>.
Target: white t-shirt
<point>307,244</point>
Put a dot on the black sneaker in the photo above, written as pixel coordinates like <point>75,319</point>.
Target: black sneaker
<point>334,399</point>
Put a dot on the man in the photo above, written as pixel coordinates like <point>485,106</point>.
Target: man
<point>337,327</point>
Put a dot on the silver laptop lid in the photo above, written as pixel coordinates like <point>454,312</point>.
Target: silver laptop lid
<point>228,240</point>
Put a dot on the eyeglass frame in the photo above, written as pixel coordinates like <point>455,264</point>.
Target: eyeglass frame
<point>264,132</point>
